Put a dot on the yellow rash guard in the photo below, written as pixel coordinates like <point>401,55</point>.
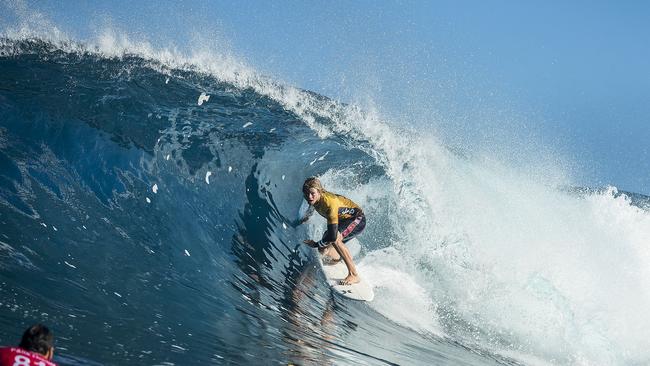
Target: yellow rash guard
<point>334,207</point>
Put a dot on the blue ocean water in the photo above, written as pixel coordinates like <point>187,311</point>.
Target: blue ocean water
<point>202,268</point>
<point>147,225</point>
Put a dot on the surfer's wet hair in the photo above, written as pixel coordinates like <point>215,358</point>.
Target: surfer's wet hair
<point>37,338</point>
<point>312,182</point>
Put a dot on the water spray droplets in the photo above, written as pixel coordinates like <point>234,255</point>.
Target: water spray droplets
<point>203,98</point>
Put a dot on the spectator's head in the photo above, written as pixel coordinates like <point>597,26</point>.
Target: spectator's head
<point>39,339</point>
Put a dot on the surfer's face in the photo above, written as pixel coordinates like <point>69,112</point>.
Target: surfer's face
<point>312,196</point>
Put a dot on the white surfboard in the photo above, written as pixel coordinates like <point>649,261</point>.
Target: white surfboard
<point>334,273</point>
<point>362,290</point>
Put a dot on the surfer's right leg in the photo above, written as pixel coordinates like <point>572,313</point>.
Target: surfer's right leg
<point>344,252</point>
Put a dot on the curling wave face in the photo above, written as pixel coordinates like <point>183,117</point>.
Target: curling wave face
<point>148,200</point>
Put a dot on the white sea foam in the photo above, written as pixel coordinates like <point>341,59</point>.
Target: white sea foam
<point>508,261</point>
<point>396,291</point>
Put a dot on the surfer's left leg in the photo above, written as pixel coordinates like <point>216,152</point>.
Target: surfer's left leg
<point>342,249</point>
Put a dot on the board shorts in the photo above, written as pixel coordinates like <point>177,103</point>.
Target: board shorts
<point>351,227</point>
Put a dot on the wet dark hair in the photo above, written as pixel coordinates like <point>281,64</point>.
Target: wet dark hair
<point>37,338</point>
<point>312,182</point>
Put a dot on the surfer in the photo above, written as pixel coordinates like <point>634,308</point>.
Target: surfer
<point>35,348</point>
<point>345,220</point>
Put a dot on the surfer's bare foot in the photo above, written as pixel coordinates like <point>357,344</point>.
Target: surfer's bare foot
<point>349,280</point>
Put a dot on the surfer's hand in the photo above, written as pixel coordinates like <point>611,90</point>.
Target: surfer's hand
<point>311,243</point>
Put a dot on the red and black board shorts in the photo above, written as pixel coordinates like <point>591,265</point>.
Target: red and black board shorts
<point>351,227</point>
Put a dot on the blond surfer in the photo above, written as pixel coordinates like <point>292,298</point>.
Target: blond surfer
<point>345,220</point>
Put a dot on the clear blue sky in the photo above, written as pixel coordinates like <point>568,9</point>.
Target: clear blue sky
<point>573,76</point>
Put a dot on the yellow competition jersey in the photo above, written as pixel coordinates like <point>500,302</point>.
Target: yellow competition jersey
<point>334,207</point>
